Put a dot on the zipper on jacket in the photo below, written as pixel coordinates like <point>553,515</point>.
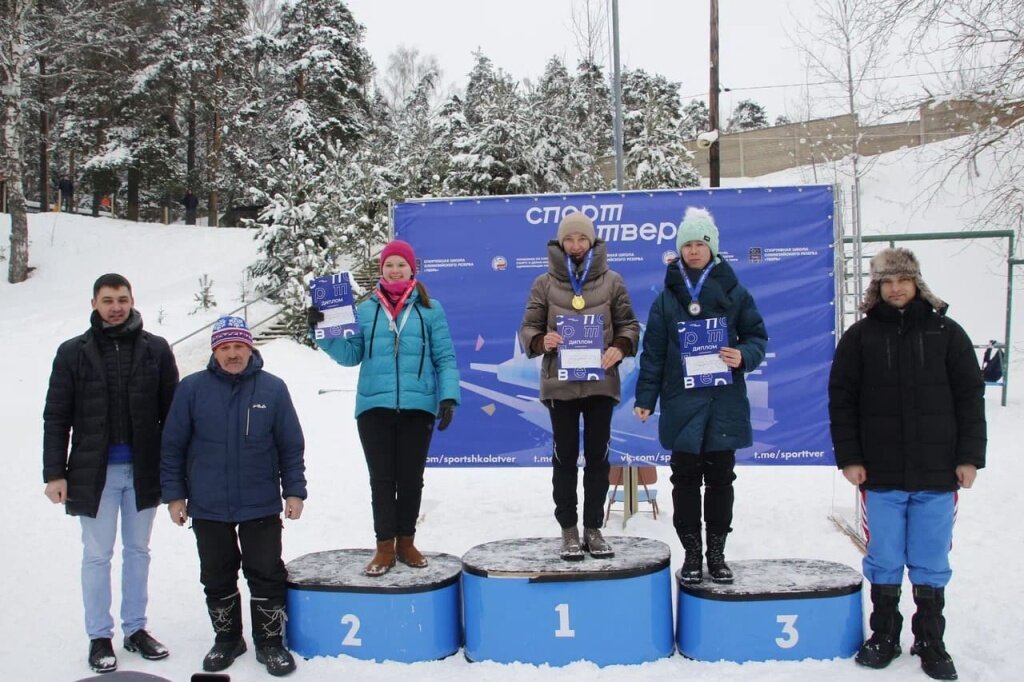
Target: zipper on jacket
<point>888,351</point>
<point>920,346</point>
<point>121,394</point>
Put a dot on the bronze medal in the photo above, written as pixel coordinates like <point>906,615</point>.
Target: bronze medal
<point>578,303</point>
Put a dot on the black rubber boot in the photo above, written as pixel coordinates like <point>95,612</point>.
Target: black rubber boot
<point>886,623</point>
<point>717,568</point>
<point>929,626</point>
<point>226,617</point>
<point>268,619</point>
<point>692,571</point>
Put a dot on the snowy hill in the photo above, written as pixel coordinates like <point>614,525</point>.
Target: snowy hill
<point>780,512</point>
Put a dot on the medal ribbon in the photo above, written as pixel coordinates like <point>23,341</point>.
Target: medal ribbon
<point>577,284</point>
<point>694,289</point>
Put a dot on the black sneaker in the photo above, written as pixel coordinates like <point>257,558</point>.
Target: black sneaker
<point>141,642</point>
<point>935,662</point>
<point>278,660</point>
<point>878,651</point>
<point>223,654</point>
<point>101,655</point>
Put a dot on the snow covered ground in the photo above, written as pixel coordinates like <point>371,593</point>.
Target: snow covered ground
<point>780,511</point>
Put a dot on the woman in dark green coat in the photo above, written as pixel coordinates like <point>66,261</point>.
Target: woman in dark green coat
<point>703,421</point>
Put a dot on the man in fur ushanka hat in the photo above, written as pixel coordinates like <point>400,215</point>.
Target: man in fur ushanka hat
<point>907,412</point>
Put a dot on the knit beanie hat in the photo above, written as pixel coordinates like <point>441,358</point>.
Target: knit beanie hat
<point>897,263</point>
<point>397,247</point>
<point>576,222</point>
<point>227,329</point>
<point>698,226</point>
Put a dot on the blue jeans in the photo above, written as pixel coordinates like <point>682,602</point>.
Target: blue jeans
<point>912,529</point>
<point>98,535</point>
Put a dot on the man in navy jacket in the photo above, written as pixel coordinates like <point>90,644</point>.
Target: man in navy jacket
<point>232,448</point>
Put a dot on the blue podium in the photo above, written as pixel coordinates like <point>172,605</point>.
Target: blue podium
<point>407,615</point>
<point>521,602</point>
<point>784,609</point>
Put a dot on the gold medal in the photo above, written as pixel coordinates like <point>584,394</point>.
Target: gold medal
<point>578,303</point>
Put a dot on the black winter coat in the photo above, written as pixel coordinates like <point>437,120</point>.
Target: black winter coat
<point>77,410</point>
<point>906,399</point>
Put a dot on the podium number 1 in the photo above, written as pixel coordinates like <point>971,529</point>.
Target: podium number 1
<point>563,622</point>
<point>350,638</point>
<point>792,636</point>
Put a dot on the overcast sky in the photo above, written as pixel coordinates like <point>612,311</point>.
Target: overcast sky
<point>669,37</point>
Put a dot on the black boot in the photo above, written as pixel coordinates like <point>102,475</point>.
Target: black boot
<point>717,568</point>
<point>692,571</point>
<point>929,625</point>
<point>268,619</point>
<point>226,616</point>
<point>886,622</point>
<point>101,655</point>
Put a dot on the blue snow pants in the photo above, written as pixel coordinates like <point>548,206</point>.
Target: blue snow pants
<point>912,529</point>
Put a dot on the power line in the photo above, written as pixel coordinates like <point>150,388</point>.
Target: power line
<point>834,82</point>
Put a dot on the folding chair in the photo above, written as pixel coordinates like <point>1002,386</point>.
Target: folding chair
<point>645,476</point>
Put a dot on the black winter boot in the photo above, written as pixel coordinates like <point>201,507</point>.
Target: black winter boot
<point>692,571</point>
<point>886,622</point>
<point>929,625</point>
<point>101,655</point>
<point>717,568</point>
<point>268,619</point>
<point>226,616</point>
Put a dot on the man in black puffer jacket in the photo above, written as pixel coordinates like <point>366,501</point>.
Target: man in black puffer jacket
<point>907,410</point>
<point>110,390</point>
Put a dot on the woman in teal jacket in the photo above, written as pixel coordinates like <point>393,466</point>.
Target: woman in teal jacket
<point>702,424</point>
<point>407,378</point>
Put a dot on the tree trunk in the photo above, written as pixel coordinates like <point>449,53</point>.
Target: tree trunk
<point>17,270</point>
<point>134,178</point>
<point>44,139</point>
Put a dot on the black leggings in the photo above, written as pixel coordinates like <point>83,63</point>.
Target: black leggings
<point>715,471</point>
<point>597,428</point>
<point>395,444</point>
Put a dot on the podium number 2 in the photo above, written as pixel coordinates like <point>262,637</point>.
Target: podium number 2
<point>350,638</point>
<point>792,636</point>
<point>563,622</point>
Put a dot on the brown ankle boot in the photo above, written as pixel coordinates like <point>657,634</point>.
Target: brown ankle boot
<point>408,554</point>
<point>383,560</point>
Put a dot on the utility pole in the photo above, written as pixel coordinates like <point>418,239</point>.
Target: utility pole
<point>617,97</point>
<point>714,164</point>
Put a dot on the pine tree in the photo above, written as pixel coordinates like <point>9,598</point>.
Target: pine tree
<point>748,115</point>
<point>695,118</point>
<point>591,114</point>
<point>559,153</point>
<point>655,157</point>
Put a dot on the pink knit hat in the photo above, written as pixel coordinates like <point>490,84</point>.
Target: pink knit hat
<point>399,248</point>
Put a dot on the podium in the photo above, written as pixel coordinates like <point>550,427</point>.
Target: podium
<point>523,603</point>
<point>784,609</point>
<point>407,615</point>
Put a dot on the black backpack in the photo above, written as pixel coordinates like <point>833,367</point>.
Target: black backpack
<point>992,364</point>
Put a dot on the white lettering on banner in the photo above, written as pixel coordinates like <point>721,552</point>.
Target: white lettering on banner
<point>670,235</point>
<point>609,233</point>
<point>648,232</point>
<point>787,455</point>
<point>630,232</point>
<point>539,215</point>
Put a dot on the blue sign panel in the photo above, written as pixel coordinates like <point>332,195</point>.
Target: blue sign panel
<point>479,257</point>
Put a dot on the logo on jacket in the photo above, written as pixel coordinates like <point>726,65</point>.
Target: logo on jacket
<point>259,406</point>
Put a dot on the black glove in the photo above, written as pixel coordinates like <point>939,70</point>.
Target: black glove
<point>313,315</point>
<point>445,413</point>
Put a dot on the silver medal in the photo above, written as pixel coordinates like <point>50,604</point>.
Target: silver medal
<point>694,308</point>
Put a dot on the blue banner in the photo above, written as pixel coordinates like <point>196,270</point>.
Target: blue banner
<point>479,257</point>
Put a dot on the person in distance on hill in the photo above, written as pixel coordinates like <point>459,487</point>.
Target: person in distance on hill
<point>579,283</point>
<point>232,449</point>
<point>907,415</point>
<point>110,390</point>
<point>407,379</point>
<point>703,425</point>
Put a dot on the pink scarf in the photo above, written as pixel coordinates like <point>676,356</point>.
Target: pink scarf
<point>393,295</point>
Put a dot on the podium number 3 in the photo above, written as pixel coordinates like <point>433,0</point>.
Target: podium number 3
<point>792,636</point>
<point>350,638</point>
<point>563,622</point>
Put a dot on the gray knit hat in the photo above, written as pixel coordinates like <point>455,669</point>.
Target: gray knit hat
<point>576,222</point>
<point>698,226</point>
<point>897,263</point>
